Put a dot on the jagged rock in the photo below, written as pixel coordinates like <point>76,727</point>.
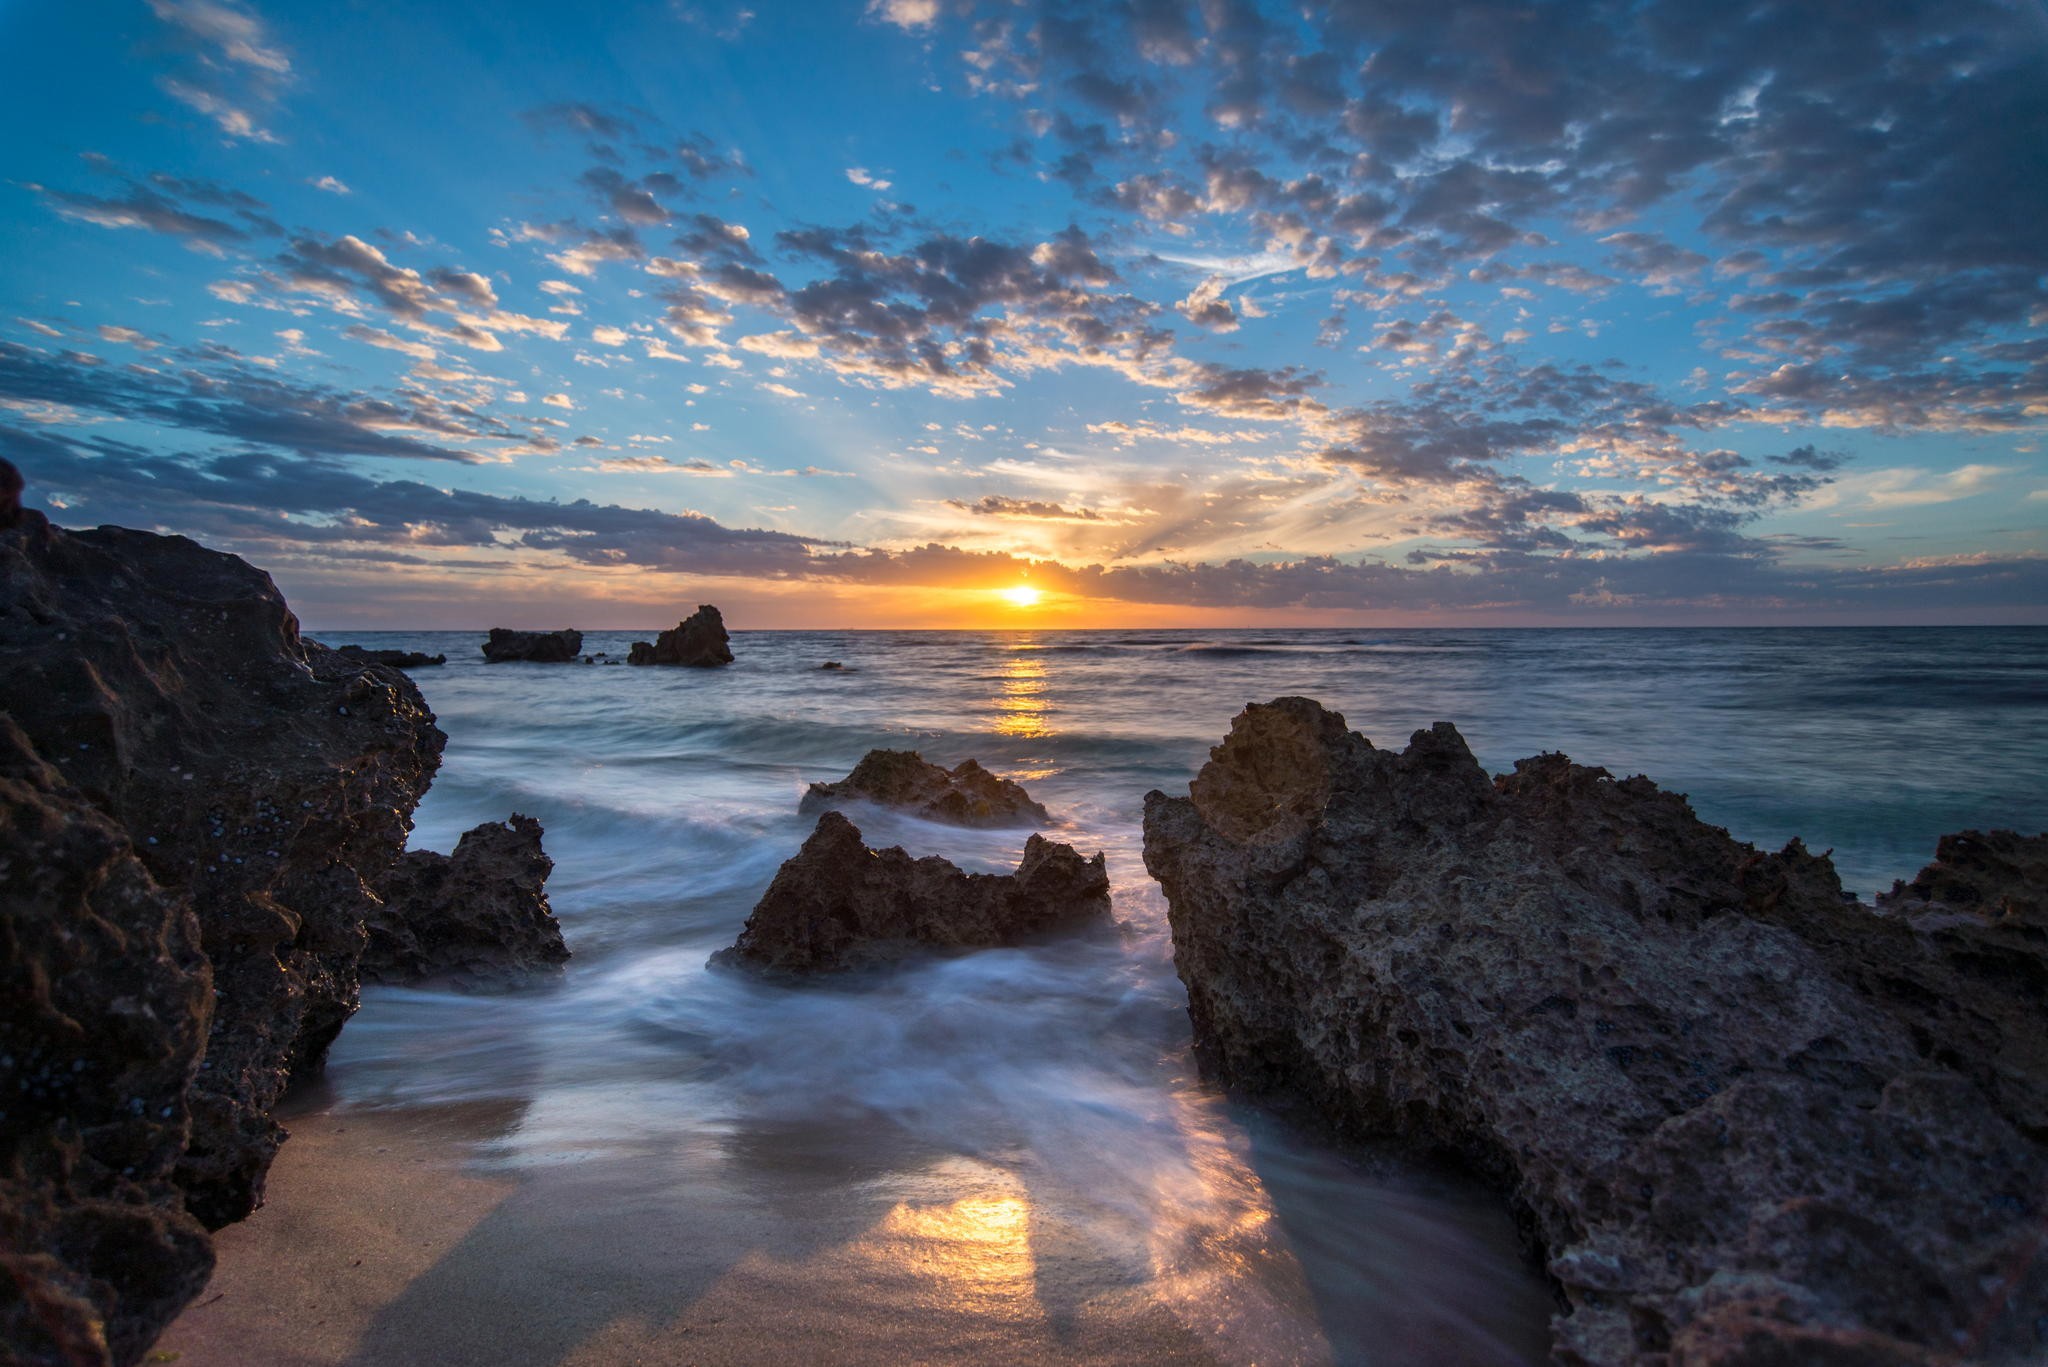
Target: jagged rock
<point>10,494</point>
<point>534,647</point>
<point>1996,875</point>
<point>832,664</point>
<point>1743,1119</point>
<point>838,904</point>
<point>699,641</point>
<point>397,659</point>
<point>104,1003</point>
<point>263,779</point>
<point>477,916</point>
<point>965,795</point>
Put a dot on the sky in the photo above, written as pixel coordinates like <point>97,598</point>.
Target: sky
<point>1384,312</point>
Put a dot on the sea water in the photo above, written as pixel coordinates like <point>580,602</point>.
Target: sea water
<point>1024,1128</point>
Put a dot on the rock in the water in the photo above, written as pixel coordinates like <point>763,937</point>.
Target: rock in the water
<point>397,659</point>
<point>838,904</point>
<point>965,795</point>
<point>104,1004</point>
<point>1743,1119</point>
<point>699,641</point>
<point>262,780</point>
<point>479,915</point>
<point>533,647</point>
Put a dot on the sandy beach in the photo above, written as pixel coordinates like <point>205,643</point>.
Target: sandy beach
<point>380,1244</point>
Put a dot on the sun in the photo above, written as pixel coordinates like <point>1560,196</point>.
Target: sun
<point>1022,596</point>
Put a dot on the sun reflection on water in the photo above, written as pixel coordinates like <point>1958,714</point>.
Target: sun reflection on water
<point>1023,708</point>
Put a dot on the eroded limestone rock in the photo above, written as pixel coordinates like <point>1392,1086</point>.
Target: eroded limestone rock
<point>262,782</point>
<point>1743,1119</point>
<point>838,904</point>
<point>477,916</point>
<point>698,641</point>
<point>965,795</point>
<point>506,646</point>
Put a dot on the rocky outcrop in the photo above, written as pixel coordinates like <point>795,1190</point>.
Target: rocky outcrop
<point>10,494</point>
<point>698,641</point>
<point>478,916</point>
<point>397,659</point>
<point>1743,1119</point>
<point>838,904</point>
<point>506,646</point>
<point>105,999</point>
<point>965,795</point>
<point>262,783</point>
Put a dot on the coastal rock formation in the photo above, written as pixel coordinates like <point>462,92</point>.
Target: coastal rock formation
<point>10,494</point>
<point>478,915</point>
<point>965,795</point>
<point>104,1001</point>
<point>838,904</point>
<point>1744,1119</point>
<point>698,641</point>
<point>263,783</point>
<point>534,647</point>
<point>397,659</point>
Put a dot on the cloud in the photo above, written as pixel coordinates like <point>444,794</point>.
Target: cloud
<point>331,185</point>
<point>906,14</point>
<point>1206,307</point>
<point>996,505</point>
<point>235,69</point>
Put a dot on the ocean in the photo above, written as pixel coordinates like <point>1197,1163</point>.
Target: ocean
<point>1015,1141</point>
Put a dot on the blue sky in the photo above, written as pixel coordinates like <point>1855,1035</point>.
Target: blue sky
<point>1384,312</point>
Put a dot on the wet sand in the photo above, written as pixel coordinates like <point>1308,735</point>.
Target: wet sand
<point>381,1244</point>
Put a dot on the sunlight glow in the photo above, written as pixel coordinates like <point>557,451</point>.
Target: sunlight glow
<point>1022,596</point>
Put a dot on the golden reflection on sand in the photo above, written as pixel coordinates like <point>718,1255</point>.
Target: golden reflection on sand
<point>1023,708</point>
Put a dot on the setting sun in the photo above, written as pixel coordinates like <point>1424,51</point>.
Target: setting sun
<point>1022,596</point>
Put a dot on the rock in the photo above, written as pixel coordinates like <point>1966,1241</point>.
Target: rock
<point>397,659</point>
<point>1996,876</point>
<point>261,780</point>
<point>966,795</point>
<point>699,641</point>
<point>105,999</point>
<point>838,904</point>
<point>1740,1119</point>
<point>10,494</point>
<point>533,647</point>
<point>832,664</point>
<point>480,915</point>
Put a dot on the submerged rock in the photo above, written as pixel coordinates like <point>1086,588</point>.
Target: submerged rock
<point>397,659</point>
<point>838,904</point>
<point>534,647</point>
<point>262,781</point>
<point>698,641</point>
<point>478,915</point>
<point>965,795</point>
<point>1742,1119</point>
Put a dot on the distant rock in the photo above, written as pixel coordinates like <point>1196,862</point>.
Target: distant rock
<point>837,904</point>
<point>965,795</point>
<point>534,647</point>
<point>832,664</point>
<point>478,916</point>
<point>260,781</point>
<point>397,659</point>
<point>698,641</point>
<point>1743,1119</point>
